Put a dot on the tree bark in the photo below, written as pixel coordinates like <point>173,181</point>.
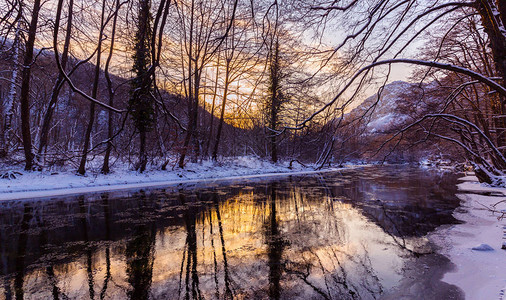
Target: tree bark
<point>9,103</point>
<point>25,87</point>
<point>275,101</point>
<point>191,97</point>
<point>94,92</point>
<point>110,120</point>
<point>222,114</point>
<point>211,125</point>
<point>48,115</point>
<point>493,19</point>
<point>141,99</point>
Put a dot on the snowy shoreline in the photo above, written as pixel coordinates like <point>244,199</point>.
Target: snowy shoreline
<point>32,185</point>
<point>480,274</point>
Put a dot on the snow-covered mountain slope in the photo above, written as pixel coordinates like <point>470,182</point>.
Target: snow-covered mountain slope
<point>393,106</point>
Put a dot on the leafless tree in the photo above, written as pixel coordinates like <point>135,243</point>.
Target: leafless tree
<point>370,47</point>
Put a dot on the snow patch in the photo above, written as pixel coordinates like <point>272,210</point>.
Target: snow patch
<point>480,274</point>
<point>50,183</point>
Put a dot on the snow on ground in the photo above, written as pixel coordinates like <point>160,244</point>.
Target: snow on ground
<point>49,184</point>
<point>480,274</point>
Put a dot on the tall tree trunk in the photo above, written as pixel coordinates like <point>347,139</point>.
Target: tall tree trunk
<point>493,18</point>
<point>190,98</point>
<point>275,101</point>
<point>187,138</point>
<point>222,114</point>
<point>25,87</point>
<point>191,133</point>
<point>195,136</point>
<point>87,138</point>
<point>142,86</point>
<point>110,120</point>
<point>9,102</point>
<point>48,115</point>
<point>211,125</point>
<point>94,92</point>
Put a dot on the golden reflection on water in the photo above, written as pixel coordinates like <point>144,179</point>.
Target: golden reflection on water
<point>269,242</point>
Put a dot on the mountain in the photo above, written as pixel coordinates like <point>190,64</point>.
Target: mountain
<point>397,104</point>
<point>382,116</point>
<point>71,113</point>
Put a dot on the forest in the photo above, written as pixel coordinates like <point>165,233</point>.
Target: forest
<point>154,84</point>
<point>252,149</point>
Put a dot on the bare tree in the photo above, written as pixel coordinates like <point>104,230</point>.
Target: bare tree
<point>241,53</point>
<point>8,104</point>
<point>25,86</point>
<point>370,47</point>
<point>201,34</point>
<point>48,115</point>
<point>82,165</point>
<point>110,90</point>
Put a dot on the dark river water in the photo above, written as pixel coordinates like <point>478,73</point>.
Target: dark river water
<point>341,235</point>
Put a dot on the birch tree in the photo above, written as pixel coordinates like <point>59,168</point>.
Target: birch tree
<point>8,104</point>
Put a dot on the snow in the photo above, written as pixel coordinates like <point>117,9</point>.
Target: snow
<point>480,274</point>
<point>387,114</point>
<point>47,184</point>
<point>383,123</point>
<point>474,246</point>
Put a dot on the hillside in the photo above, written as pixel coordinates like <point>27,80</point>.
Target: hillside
<point>383,115</point>
<point>71,112</point>
<point>398,103</point>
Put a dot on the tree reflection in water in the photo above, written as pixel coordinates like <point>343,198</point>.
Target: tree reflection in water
<point>89,252</point>
<point>228,294</point>
<point>333,236</point>
<point>21,251</point>
<point>192,289</point>
<point>140,255</point>
<point>53,281</point>
<point>275,245</point>
<point>107,221</point>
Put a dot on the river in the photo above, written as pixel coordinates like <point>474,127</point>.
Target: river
<point>353,234</point>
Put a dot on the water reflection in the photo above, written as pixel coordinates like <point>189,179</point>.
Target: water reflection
<point>21,251</point>
<point>140,255</point>
<point>275,245</point>
<point>333,236</point>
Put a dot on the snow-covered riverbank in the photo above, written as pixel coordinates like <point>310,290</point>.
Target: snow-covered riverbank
<point>31,185</point>
<point>480,274</point>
